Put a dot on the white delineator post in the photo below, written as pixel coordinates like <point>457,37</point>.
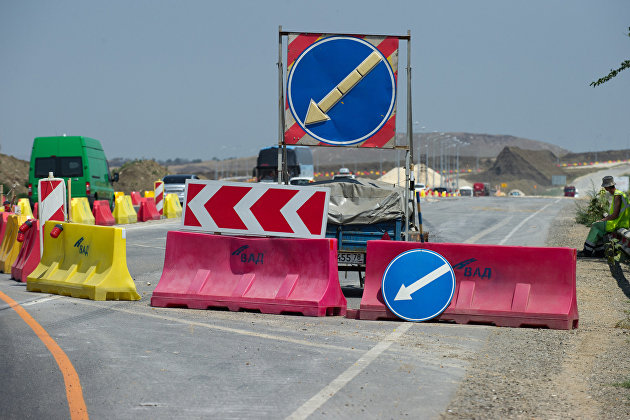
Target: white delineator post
<point>159,196</point>
<point>52,203</point>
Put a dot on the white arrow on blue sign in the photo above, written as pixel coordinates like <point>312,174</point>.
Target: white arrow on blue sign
<point>418,285</point>
<point>341,90</point>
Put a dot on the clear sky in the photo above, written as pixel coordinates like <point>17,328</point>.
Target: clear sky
<point>198,79</point>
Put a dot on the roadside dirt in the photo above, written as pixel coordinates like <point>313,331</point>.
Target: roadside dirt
<point>13,175</point>
<point>139,175</point>
<point>525,373</point>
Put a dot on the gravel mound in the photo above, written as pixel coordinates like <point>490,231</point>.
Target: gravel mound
<point>525,373</point>
<point>139,175</point>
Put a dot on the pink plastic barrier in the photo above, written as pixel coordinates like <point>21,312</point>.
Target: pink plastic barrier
<point>102,213</point>
<point>271,275</point>
<point>29,256</point>
<point>507,286</point>
<point>135,198</point>
<point>147,210</point>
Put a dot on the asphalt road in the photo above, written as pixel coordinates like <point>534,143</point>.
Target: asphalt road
<point>135,361</point>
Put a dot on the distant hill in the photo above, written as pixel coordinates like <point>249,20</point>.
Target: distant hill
<point>522,169</point>
<point>476,147</point>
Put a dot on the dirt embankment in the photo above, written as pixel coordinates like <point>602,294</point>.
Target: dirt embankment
<point>139,175</point>
<point>14,175</point>
<point>526,170</point>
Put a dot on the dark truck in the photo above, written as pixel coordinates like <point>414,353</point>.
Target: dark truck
<point>481,189</point>
<point>361,210</point>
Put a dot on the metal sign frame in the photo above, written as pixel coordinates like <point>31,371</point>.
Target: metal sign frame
<point>408,148</point>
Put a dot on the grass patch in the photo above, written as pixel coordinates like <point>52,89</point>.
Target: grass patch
<point>625,384</point>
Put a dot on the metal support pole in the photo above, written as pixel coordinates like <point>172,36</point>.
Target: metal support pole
<point>457,152</point>
<point>426,164</point>
<point>409,167</point>
<point>281,143</point>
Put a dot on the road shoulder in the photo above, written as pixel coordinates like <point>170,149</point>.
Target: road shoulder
<point>536,373</point>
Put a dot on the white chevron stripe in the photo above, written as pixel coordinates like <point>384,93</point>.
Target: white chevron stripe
<point>243,209</point>
<point>196,205</point>
<point>289,211</point>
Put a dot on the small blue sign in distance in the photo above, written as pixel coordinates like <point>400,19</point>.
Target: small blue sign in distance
<point>341,90</point>
<point>418,285</point>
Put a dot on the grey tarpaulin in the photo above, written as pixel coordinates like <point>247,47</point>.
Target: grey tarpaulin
<point>363,201</point>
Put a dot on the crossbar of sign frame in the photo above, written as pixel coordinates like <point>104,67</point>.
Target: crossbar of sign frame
<point>341,90</point>
<point>255,209</point>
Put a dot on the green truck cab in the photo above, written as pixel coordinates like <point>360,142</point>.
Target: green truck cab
<point>78,158</point>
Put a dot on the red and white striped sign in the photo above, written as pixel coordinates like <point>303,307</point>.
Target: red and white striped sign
<point>51,205</point>
<point>52,200</point>
<point>159,196</point>
<point>256,209</point>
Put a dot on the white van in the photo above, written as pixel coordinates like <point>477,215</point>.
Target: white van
<point>466,191</point>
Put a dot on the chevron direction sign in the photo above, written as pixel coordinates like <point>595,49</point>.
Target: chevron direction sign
<point>255,209</point>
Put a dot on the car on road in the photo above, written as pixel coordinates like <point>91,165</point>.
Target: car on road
<point>344,173</point>
<point>466,191</point>
<point>176,184</point>
<point>297,180</point>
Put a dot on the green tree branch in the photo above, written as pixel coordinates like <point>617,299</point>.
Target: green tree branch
<point>613,73</point>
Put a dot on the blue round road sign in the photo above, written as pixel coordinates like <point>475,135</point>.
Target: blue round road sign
<point>341,90</point>
<point>418,285</point>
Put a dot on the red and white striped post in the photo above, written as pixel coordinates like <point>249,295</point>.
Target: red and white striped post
<point>52,203</point>
<point>159,196</point>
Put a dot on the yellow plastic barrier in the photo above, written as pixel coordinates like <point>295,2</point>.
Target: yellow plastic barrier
<point>172,208</point>
<point>25,207</point>
<point>118,194</point>
<point>149,194</point>
<point>86,262</point>
<point>123,211</point>
<point>10,247</point>
<point>81,212</point>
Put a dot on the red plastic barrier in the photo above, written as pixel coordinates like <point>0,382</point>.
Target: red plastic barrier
<point>36,210</point>
<point>147,210</point>
<point>507,286</point>
<point>102,213</point>
<point>135,198</point>
<point>272,275</point>
<point>29,255</point>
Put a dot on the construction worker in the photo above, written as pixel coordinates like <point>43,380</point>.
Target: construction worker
<point>618,217</point>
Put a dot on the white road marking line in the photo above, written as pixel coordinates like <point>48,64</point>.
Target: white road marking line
<point>473,239</point>
<point>143,225</point>
<point>42,300</point>
<point>35,301</point>
<point>517,227</point>
<point>340,381</point>
<point>147,246</point>
<point>220,328</point>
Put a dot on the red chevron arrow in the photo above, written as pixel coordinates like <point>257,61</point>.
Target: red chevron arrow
<point>267,210</point>
<point>311,212</point>
<point>221,207</point>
